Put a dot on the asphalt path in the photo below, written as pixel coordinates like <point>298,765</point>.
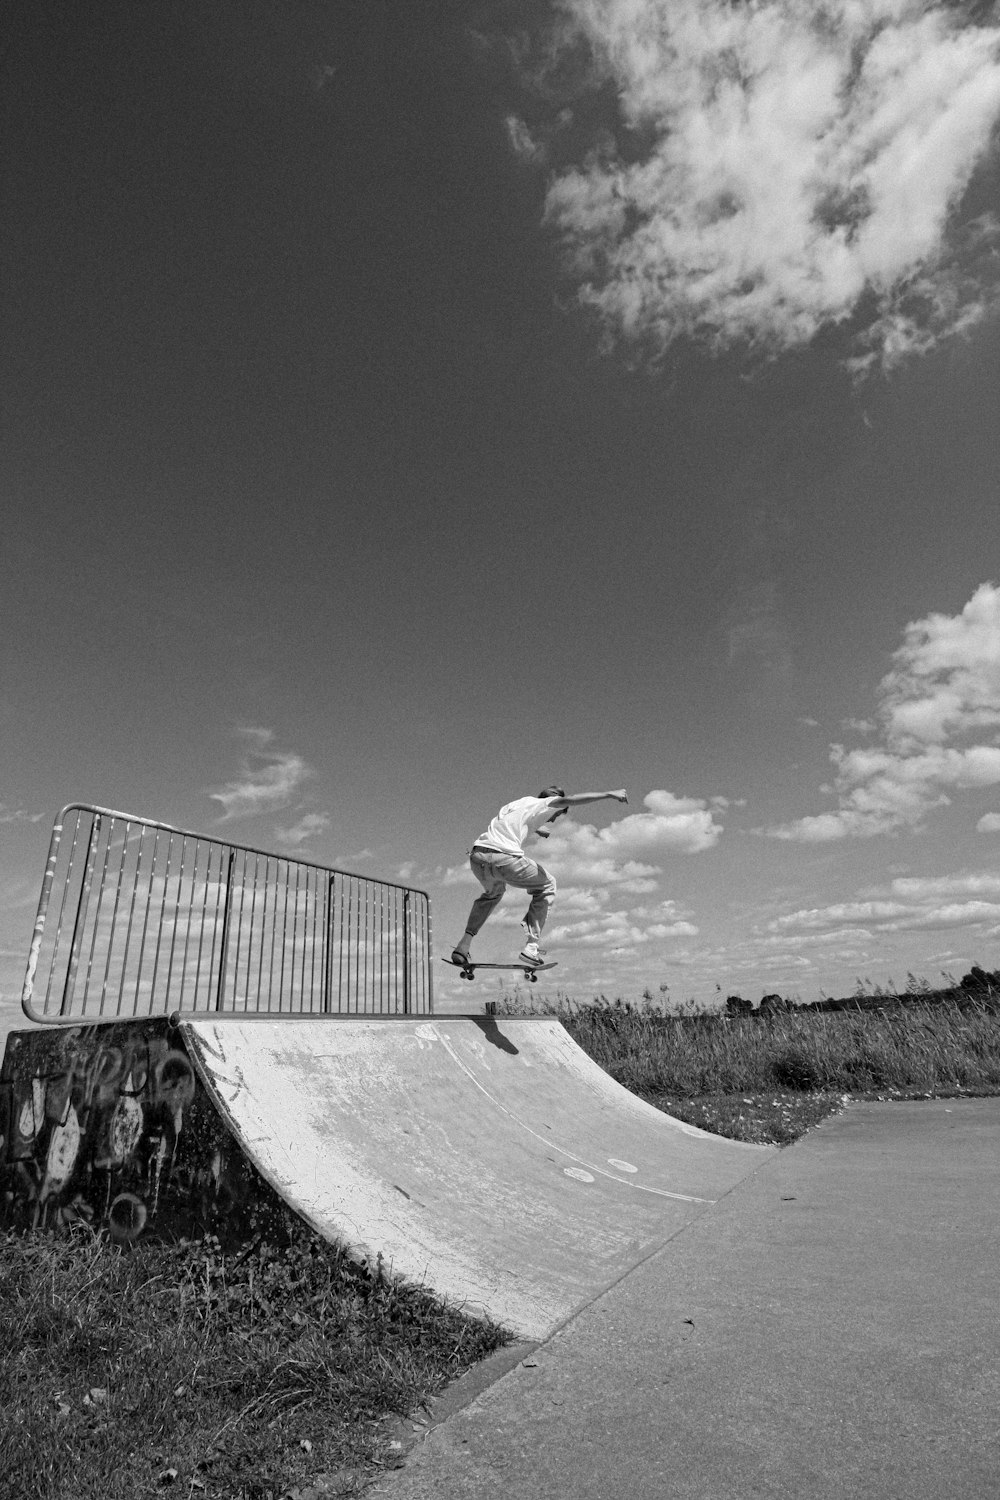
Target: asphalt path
<point>830,1329</point>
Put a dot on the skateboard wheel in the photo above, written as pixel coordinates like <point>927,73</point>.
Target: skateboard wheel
<point>533,977</point>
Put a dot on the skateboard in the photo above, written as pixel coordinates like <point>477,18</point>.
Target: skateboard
<point>530,971</point>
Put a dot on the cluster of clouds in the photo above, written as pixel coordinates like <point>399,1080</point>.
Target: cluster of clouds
<point>906,904</point>
<point>270,779</point>
<point>938,727</point>
<point>773,169</point>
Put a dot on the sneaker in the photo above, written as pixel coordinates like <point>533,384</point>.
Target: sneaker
<point>532,954</point>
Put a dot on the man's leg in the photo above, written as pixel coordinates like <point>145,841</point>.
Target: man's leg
<point>526,875</point>
<point>484,905</point>
<point>542,895</point>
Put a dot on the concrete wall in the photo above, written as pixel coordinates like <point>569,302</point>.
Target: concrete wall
<point>110,1124</point>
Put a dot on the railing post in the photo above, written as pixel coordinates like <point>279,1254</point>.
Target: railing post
<point>406,953</point>
<point>81,908</point>
<point>27,989</point>
<point>327,943</point>
<point>225,928</point>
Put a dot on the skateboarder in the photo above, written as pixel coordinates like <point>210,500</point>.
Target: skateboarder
<point>498,860</point>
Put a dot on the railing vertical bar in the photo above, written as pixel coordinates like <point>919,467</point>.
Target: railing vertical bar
<point>342,948</point>
<point>239,927</point>
<point>315,943</point>
<point>215,924</point>
<point>37,935</point>
<point>359,1002</point>
<point>295,941</point>
<point>159,927</point>
<point>97,915</point>
<point>145,924</point>
<point>202,925</point>
<point>406,954</point>
<point>187,927</point>
<point>378,907</point>
<point>254,929</point>
<point>308,947</point>
<point>224,944</point>
<point>177,912</point>
<point>327,947</point>
<point>429,960</point>
<point>128,931</point>
<point>114,917</point>
<point>71,962</point>
<point>274,932</point>
<point>394,904</point>
<point>263,930</point>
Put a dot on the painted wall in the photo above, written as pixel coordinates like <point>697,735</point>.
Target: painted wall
<point>110,1124</point>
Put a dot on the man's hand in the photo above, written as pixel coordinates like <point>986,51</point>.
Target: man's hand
<point>619,796</point>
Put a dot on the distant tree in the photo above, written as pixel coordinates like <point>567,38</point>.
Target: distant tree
<point>771,1004</point>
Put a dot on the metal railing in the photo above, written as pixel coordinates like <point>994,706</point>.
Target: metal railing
<point>137,918</point>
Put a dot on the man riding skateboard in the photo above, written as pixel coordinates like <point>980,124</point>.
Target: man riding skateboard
<point>498,860</point>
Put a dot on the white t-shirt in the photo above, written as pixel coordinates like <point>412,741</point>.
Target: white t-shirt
<point>513,824</point>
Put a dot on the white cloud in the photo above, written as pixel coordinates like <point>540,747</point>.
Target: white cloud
<point>618,930</point>
<point>944,685</point>
<point>989,823</point>
<point>684,825</point>
<point>307,827</point>
<point>269,779</point>
<point>18,815</point>
<point>908,905</point>
<point>776,168</point>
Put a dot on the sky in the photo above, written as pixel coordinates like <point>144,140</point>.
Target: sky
<point>406,407</point>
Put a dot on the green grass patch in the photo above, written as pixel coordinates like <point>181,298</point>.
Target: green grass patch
<point>917,1047</point>
<point>181,1370</point>
<point>771,1076</point>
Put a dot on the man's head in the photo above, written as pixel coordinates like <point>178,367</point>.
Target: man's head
<point>554,791</point>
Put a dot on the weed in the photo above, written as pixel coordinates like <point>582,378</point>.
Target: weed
<point>233,1375</point>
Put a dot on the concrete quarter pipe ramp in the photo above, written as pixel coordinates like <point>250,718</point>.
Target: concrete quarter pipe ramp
<point>489,1159</point>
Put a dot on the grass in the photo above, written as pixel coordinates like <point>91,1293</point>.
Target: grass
<point>284,1374</point>
<point>180,1370</point>
<point>770,1077</point>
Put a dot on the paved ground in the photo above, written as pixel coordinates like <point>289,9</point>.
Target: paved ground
<point>830,1329</point>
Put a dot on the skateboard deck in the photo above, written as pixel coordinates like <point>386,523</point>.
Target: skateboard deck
<point>468,971</point>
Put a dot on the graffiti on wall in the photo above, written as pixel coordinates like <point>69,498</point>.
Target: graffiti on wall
<point>109,1125</point>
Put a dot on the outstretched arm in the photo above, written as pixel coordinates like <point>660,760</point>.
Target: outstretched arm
<point>579,798</point>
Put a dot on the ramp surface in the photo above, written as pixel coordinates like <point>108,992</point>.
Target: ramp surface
<point>489,1159</point>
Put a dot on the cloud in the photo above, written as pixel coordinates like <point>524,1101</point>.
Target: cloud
<point>620,930</point>
<point>307,827</point>
<point>684,825</point>
<point>18,815</point>
<point>944,686</point>
<point>772,170</point>
<point>269,778</point>
<point>989,823</point>
<point>907,904</point>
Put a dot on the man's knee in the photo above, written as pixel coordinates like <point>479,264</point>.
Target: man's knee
<point>546,891</point>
